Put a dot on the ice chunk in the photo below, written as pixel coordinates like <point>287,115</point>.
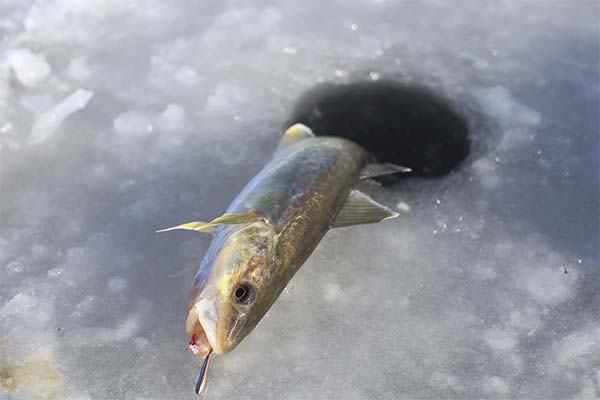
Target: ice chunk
<point>5,86</point>
<point>484,272</point>
<point>134,123</point>
<point>225,97</point>
<point>101,335</point>
<point>500,340</point>
<point>403,206</point>
<point>50,121</point>
<point>446,381</point>
<point>29,68</point>
<point>486,171</point>
<point>37,103</point>
<point>16,266</point>
<point>573,348</point>
<point>494,386</point>
<point>516,118</point>
<point>141,342</point>
<point>137,124</point>
<point>186,75</point>
<point>19,304</point>
<point>117,284</point>
<point>546,284</point>
<point>78,69</point>
<point>31,309</point>
<point>173,118</point>
<point>332,292</point>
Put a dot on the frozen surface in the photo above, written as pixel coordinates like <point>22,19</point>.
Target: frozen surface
<point>120,117</point>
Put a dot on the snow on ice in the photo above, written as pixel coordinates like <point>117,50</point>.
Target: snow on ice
<point>121,117</point>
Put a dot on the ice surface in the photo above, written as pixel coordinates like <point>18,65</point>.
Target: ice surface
<point>486,286</point>
<point>47,123</point>
<point>79,69</point>
<point>29,68</point>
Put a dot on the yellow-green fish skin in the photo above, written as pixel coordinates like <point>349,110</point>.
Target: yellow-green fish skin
<point>299,192</point>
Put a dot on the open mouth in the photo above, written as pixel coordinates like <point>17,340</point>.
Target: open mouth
<point>200,343</point>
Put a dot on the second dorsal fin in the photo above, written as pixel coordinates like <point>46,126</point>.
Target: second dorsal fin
<point>295,134</point>
<point>361,209</point>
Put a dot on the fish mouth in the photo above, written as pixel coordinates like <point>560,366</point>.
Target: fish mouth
<point>200,345</point>
<point>201,327</point>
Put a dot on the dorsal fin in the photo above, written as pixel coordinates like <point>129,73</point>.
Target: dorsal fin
<point>294,134</point>
<point>225,219</point>
<point>361,209</point>
<point>374,170</point>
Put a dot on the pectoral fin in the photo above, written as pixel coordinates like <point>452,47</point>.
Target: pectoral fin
<point>361,209</point>
<point>295,134</point>
<point>225,219</point>
<point>374,170</point>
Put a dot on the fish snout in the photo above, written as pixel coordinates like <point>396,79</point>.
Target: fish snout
<point>201,325</point>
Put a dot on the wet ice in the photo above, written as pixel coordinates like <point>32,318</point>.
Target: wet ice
<point>118,118</point>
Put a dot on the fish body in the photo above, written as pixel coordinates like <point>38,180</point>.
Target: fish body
<point>299,193</point>
<point>269,231</point>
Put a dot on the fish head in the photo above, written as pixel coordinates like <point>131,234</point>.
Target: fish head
<point>232,290</point>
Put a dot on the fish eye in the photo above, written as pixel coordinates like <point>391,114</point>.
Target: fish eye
<point>244,294</point>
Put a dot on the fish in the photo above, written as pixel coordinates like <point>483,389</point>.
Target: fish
<point>269,231</point>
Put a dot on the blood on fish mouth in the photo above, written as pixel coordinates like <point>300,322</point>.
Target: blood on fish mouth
<point>203,377</point>
<point>200,346</point>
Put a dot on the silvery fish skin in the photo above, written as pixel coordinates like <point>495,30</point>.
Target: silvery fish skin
<point>299,193</point>
<point>268,232</point>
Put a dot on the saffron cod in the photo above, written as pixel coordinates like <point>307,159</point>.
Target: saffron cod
<point>269,231</point>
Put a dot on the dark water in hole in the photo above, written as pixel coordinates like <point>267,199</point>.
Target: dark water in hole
<point>404,125</point>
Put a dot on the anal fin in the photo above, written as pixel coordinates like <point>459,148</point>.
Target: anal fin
<point>374,170</point>
<point>361,209</point>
